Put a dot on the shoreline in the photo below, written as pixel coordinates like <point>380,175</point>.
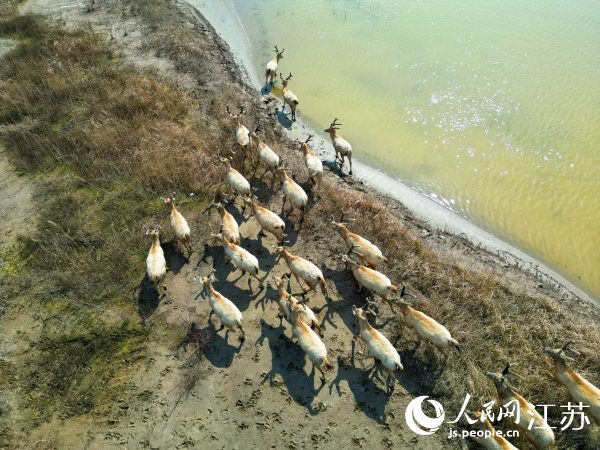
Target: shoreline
<point>229,27</point>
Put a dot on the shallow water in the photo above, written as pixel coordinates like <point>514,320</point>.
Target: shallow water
<point>490,108</point>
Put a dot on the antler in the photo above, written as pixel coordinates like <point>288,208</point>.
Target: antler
<point>335,124</point>
<point>507,373</point>
<point>566,347</point>
<point>241,111</point>
<point>308,139</point>
<point>289,77</point>
<point>343,216</point>
<point>227,110</point>
<point>276,49</point>
<point>351,250</point>
<point>258,128</point>
<point>368,309</point>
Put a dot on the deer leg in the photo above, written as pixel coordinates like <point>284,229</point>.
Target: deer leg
<point>243,336</point>
<point>322,377</point>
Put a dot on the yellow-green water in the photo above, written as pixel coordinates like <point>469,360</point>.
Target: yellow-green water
<point>489,107</point>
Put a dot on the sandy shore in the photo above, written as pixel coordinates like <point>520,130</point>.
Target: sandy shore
<point>230,28</point>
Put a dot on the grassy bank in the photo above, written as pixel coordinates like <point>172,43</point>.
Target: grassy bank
<point>106,140</point>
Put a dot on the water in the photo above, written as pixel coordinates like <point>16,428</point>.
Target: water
<point>491,108</point>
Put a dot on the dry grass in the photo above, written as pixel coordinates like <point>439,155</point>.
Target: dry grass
<point>108,141</point>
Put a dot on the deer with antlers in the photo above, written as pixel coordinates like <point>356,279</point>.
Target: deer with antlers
<point>371,279</point>
<point>342,148</point>
<point>242,134</point>
<point>287,302</point>
<point>240,258</point>
<point>540,435</point>
<point>179,225</point>
<point>581,390</point>
<point>293,192</point>
<point>156,265</point>
<point>268,220</point>
<point>313,163</point>
<point>289,98</point>
<point>238,183</point>
<point>309,341</point>
<point>266,155</point>
<point>433,332</point>
<point>302,268</point>
<point>229,227</point>
<point>379,346</point>
<point>224,308</point>
<point>271,72</point>
<point>369,252</point>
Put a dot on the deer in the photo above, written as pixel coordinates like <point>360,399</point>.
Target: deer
<point>581,390</point>
<point>286,303</point>
<point>229,227</point>
<point>313,163</point>
<point>379,346</point>
<point>341,146</point>
<point>301,268</point>
<point>426,327</point>
<point>156,265</point>
<point>371,279</point>
<point>240,258</point>
<point>242,134</point>
<point>179,224</point>
<point>490,439</point>
<point>541,438</point>
<point>266,155</point>
<point>268,220</point>
<point>272,66</point>
<point>289,98</point>
<point>229,314</point>
<point>293,192</point>
<point>309,341</point>
<point>369,252</point>
<point>237,181</point>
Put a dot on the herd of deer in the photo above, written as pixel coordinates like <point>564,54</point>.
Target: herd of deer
<point>305,325</point>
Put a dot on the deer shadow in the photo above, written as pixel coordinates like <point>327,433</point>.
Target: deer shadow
<point>288,360</point>
<point>369,397</point>
<point>335,168</point>
<point>174,257</point>
<point>219,352</point>
<point>266,89</point>
<point>147,299</point>
<point>284,119</point>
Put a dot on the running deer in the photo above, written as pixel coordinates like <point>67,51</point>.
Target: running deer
<point>242,134</point>
<point>581,390</point>
<point>429,329</point>
<point>156,265</point>
<point>309,341</point>
<point>371,279</point>
<point>229,314</point>
<point>301,268</point>
<point>490,439</point>
<point>369,252</point>
<point>237,181</point>
<point>272,66</point>
<point>287,302</point>
<point>540,435</point>
<point>266,155</point>
<point>341,146</point>
<point>268,220</point>
<point>293,192</point>
<point>313,164</point>
<point>289,98</point>
<point>240,258</point>
<point>179,225</point>
<point>378,344</point>
<point>229,227</point>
